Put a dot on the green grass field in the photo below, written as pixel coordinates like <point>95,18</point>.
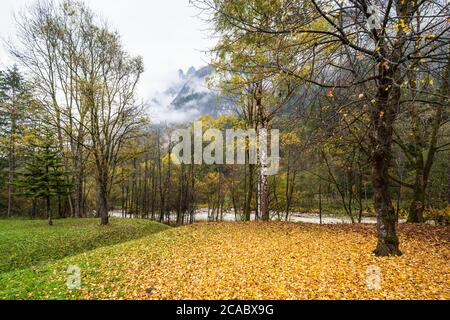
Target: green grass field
<point>26,244</point>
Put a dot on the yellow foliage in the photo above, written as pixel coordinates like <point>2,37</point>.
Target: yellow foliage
<point>440,215</point>
<point>275,261</point>
<point>290,139</point>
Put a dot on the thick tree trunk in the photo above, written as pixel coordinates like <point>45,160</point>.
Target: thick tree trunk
<point>382,117</point>
<point>79,178</point>
<point>416,211</point>
<point>102,198</point>
<point>388,243</point>
<point>418,204</point>
<point>102,206</point>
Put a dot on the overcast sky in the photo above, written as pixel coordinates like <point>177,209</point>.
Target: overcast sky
<point>167,33</point>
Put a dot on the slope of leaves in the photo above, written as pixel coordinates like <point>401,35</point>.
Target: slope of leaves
<point>252,261</point>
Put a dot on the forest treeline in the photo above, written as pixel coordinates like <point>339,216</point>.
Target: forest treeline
<point>359,90</point>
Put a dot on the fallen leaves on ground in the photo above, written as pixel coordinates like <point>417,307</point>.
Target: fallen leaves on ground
<point>274,261</point>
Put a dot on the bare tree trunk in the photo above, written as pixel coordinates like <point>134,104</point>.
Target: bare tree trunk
<point>235,203</point>
<point>181,205</point>
<point>192,196</point>
<point>288,180</point>
<point>263,194</point>
<point>78,163</point>
<point>102,197</point>
<point>49,211</point>
<point>48,204</point>
<point>249,194</point>
<point>320,200</point>
<point>61,148</point>
<point>168,206</point>
<point>154,192</point>
<point>417,208</point>
<point>423,165</point>
<point>145,196</point>
<point>360,193</point>
<point>448,181</point>
<point>381,141</point>
<point>33,209</point>
<point>264,198</point>
<point>123,196</point>
<point>12,164</point>
<point>61,214</point>
<point>162,194</point>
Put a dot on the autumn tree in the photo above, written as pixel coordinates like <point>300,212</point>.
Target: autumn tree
<point>114,114</point>
<point>259,92</point>
<point>372,43</point>
<point>50,45</point>
<point>86,83</point>
<point>418,134</point>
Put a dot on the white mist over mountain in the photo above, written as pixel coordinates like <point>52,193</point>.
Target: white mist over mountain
<point>187,98</point>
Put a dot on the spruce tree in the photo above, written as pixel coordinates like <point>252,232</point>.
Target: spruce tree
<point>14,104</point>
<point>43,176</point>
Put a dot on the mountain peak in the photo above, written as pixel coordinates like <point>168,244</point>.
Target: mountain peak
<point>191,97</point>
<point>191,72</point>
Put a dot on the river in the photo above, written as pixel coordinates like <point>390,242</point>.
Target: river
<point>201,215</point>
